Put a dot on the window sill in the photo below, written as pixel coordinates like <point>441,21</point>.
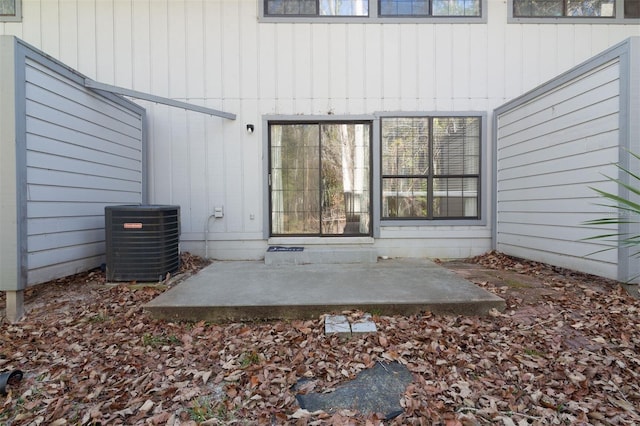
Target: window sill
<point>370,20</point>
<point>442,222</point>
<point>571,20</point>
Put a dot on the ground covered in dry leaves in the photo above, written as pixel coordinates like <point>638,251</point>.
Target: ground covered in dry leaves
<point>566,351</point>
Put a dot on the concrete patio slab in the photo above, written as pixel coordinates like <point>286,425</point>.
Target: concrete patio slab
<point>251,290</point>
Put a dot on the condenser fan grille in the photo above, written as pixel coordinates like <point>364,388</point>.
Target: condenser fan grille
<point>142,242</point>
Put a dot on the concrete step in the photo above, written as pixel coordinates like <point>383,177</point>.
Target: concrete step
<point>286,255</point>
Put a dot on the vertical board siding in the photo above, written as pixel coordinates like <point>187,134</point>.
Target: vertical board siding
<point>158,53</point>
<point>105,42</point>
<point>219,54</point>
<point>69,33</point>
<point>83,152</point>
<point>141,40</point>
<point>196,71</point>
<point>122,44</point>
<point>51,27</point>
<point>304,73</point>
<point>177,48</point>
<point>550,151</point>
<point>85,24</point>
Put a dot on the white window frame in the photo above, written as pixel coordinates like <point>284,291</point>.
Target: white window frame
<point>375,18</point>
<point>17,17</point>
<point>617,19</point>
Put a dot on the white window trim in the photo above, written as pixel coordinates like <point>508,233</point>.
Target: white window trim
<point>13,18</point>
<point>374,18</point>
<point>618,19</point>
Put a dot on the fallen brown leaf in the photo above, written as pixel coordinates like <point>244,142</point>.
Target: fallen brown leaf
<point>564,352</point>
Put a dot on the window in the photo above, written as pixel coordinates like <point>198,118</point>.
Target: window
<point>10,10</point>
<point>317,7</point>
<point>372,9</point>
<point>576,9</point>
<point>430,167</point>
<point>429,8</point>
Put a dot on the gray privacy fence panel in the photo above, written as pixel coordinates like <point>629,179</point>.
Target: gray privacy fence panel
<point>552,145</point>
<point>77,151</point>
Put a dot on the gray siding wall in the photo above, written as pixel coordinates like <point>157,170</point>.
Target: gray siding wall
<point>76,151</point>
<point>8,196</point>
<point>83,151</point>
<point>553,144</point>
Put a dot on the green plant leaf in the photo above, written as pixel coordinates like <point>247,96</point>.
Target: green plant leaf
<point>627,209</point>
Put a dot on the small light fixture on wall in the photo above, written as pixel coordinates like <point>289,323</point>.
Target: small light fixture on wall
<point>250,128</point>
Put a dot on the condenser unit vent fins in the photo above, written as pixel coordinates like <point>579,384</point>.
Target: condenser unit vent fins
<point>142,242</point>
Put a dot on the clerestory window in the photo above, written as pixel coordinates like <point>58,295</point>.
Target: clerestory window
<point>372,9</point>
<point>429,8</point>
<point>579,9</point>
<point>10,10</point>
<point>316,7</point>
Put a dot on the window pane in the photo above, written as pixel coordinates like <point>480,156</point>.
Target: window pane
<point>404,198</point>
<point>291,7</point>
<point>404,7</point>
<point>345,178</point>
<point>574,8</point>
<point>537,8</point>
<point>456,145</point>
<point>344,7</point>
<point>456,7</point>
<point>632,8</point>
<point>590,8</point>
<point>8,7</point>
<point>295,179</point>
<point>405,146</point>
<point>455,197</point>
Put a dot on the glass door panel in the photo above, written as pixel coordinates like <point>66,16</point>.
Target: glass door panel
<point>295,175</point>
<point>320,181</point>
<point>345,179</point>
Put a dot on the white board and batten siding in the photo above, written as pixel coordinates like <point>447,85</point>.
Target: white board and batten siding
<point>221,54</point>
<point>83,150</point>
<point>553,145</point>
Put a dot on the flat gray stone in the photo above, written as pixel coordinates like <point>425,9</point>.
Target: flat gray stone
<point>364,325</point>
<point>337,324</point>
<point>376,390</point>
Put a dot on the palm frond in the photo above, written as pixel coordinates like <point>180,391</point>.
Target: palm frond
<point>628,212</point>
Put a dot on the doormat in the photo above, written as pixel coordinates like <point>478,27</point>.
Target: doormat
<point>280,248</point>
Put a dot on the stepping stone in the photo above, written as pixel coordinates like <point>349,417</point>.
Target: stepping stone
<point>340,325</point>
<point>364,325</point>
<point>337,324</point>
<point>375,390</point>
